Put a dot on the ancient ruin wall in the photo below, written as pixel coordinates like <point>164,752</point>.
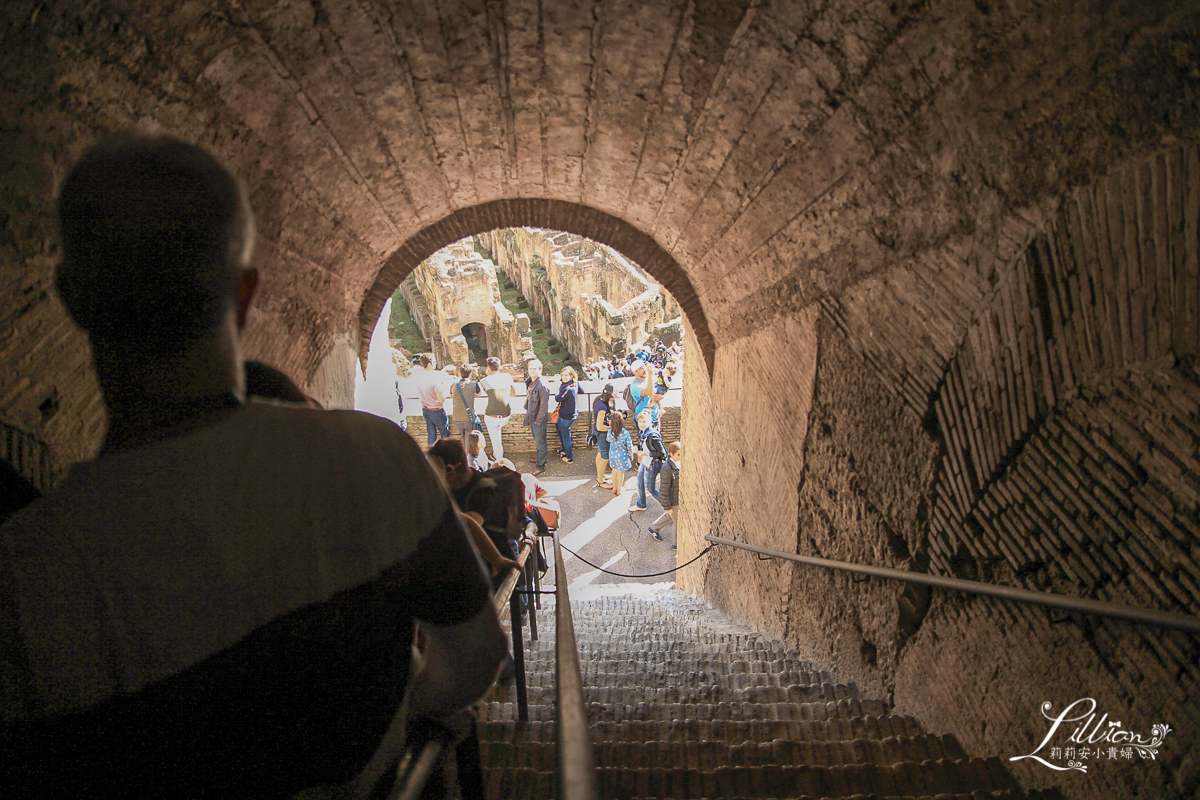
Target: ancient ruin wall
<point>597,302</point>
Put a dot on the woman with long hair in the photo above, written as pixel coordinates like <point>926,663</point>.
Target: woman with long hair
<point>476,456</point>
<point>601,409</point>
<point>620,450</point>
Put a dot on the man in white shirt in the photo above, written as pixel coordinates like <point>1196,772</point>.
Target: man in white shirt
<point>499,388</point>
<point>430,383</point>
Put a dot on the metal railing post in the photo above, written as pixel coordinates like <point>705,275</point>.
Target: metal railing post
<point>530,595</point>
<point>518,646</point>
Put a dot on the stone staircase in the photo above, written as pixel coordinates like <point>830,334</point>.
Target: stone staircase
<point>684,702</point>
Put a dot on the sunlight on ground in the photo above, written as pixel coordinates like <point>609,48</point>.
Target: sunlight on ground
<point>587,531</point>
<point>560,487</point>
<point>588,577</point>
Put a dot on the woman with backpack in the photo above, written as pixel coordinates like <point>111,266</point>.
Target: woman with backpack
<point>601,409</point>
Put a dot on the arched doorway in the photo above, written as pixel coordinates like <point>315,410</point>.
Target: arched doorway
<point>477,341</point>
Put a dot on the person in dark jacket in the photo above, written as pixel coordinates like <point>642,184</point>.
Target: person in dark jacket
<point>537,413</point>
<point>651,456</point>
<point>567,412</point>
<point>668,490</point>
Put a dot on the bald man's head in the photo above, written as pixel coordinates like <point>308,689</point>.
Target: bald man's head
<point>155,233</point>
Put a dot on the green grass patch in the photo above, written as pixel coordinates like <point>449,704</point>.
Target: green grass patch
<point>405,330</point>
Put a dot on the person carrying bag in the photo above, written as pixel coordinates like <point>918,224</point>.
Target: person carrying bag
<point>472,420</point>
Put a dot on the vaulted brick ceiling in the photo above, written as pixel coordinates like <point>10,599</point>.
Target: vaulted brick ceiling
<point>756,156</point>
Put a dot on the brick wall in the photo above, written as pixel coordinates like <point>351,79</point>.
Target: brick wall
<point>1056,450</point>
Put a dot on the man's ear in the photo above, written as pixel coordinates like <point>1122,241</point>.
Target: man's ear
<point>247,285</point>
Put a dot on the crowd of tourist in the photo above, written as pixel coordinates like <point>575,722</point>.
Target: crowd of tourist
<point>667,359</point>
<point>448,398</point>
<point>613,418</point>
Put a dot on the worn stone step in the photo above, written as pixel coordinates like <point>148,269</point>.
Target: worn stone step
<point>672,663</point>
<point>931,777</point>
<point>692,678</point>
<point>652,628</point>
<point>682,642</point>
<point>619,712</point>
<point>728,731</point>
<point>709,755</point>
<point>629,693</point>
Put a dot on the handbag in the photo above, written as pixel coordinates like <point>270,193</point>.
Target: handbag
<point>470,411</point>
<point>554,416</point>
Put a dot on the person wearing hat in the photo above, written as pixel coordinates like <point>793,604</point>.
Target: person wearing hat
<point>642,387</point>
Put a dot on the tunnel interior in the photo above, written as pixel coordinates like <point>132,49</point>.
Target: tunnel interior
<point>938,262</point>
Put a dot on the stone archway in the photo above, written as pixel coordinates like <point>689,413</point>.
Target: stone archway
<point>542,213</point>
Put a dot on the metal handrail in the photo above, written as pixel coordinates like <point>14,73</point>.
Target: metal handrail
<point>1102,608</point>
<point>576,762</point>
<point>503,593</point>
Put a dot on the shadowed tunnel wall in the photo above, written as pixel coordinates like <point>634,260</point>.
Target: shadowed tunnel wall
<point>940,259</point>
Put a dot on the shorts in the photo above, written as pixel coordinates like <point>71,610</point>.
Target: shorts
<point>602,443</point>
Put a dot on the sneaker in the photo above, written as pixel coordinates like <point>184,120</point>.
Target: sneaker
<point>568,460</point>
<point>636,507</point>
<point>654,533</point>
<point>672,547</point>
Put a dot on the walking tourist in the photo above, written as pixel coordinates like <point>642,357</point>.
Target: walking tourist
<point>196,612</point>
<point>668,493</point>
<point>537,413</point>
<point>499,388</point>
<point>651,455</point>
<point>567,413</point>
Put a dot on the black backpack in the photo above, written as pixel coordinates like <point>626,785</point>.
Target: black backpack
<point>630,400</point>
